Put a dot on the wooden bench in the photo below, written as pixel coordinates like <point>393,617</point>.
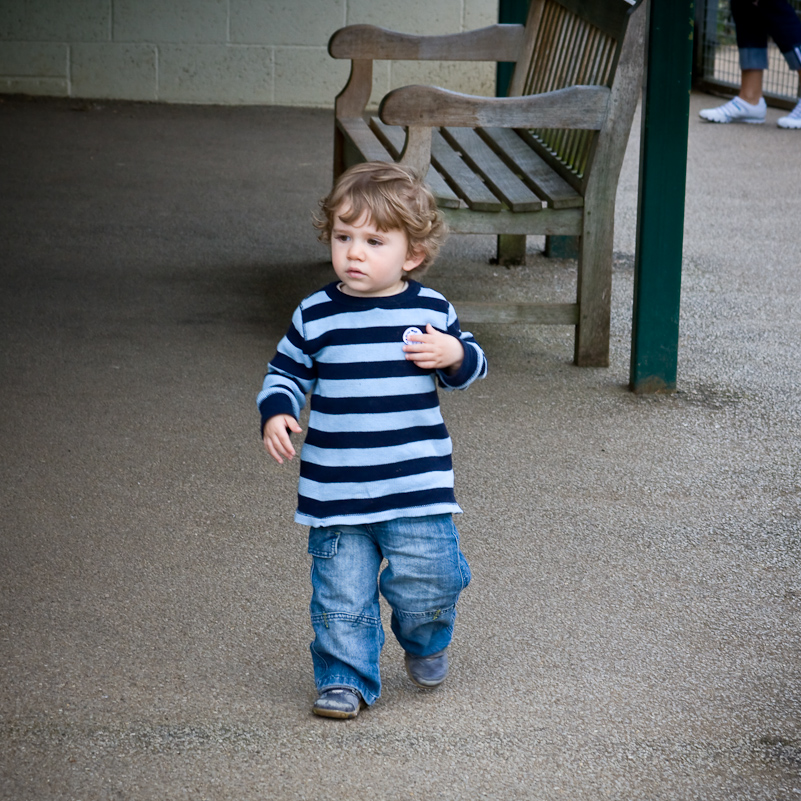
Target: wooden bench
<point>544,160</point>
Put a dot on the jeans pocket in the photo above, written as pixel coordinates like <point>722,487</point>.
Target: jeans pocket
<point>323,542</point>
<point>464,569</point>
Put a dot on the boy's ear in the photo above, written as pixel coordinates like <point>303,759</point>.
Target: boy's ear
<point>414,261</point>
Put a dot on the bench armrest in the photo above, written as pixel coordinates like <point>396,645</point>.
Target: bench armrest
<point>582,107</point>
<point>494,43</point>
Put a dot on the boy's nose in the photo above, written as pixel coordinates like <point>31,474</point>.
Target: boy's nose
<point>355,251</point>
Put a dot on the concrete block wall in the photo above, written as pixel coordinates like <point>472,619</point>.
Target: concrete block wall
<point>218,51</point>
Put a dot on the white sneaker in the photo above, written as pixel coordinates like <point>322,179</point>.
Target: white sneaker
<point>792,120</point>
<point>737,110</point>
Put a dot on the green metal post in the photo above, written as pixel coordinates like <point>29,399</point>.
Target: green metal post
<point>510,12</point>
<point>660,213</point>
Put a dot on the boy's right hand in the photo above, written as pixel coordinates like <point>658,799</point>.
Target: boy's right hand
<point>276,436</point>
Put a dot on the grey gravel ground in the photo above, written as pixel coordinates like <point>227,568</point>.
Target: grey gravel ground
<point>632,630</point>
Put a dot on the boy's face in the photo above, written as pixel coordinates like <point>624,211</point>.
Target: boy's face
<point>369,262</point>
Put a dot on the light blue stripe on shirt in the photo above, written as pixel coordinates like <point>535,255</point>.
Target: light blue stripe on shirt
<point>375,387</point>
<point>372,318</point>
<point>365,457</point>
<point>286,347</point>
<point>375,489</point>
<point>384,421</point>
<point>378,517</point>
<point>355,354</point>
<point>315,299</point>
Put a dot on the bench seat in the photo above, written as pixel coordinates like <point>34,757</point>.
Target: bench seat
<point>543,161</point>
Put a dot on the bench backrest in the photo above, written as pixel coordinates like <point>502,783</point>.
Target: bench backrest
<point>570,42</point>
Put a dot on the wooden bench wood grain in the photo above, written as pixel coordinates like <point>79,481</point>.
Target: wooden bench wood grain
<point>545,160</point>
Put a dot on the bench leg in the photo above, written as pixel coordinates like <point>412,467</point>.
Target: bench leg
<point>562,247</point>
<point>594,295</point>
<point>511,249</point>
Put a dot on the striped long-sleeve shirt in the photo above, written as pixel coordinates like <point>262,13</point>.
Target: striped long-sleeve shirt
<point>376,446</point>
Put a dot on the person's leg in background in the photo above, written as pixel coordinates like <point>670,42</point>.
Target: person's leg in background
<point>752,43</point>
<point>754,21</point>
<point>784,27</point>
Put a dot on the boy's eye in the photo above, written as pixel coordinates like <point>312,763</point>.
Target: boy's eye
<point>373,241</point>
<point>341,237</point>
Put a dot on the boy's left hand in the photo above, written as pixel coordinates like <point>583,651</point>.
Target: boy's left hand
<point>435,351</point>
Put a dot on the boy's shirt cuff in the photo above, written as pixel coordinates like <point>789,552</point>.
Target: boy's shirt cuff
<point>276,403</point>
<point>465,372</point>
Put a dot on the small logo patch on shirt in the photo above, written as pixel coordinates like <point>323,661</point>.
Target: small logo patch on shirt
<point>409,333</point>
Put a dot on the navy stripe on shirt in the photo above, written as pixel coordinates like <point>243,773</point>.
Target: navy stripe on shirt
<point>367,335</point>
<point>374,439</point>
<point>375,405</point>
<point>361,370</point>
<point>327,308</point>
<point>367,506</point>
<point>410,467</point>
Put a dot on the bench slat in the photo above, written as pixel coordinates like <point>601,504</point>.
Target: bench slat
<point>550,222</point>
<point>394,139</point>
<point>458,175</point>
<point>481,158</point>
<point>533,140</point>
<point>535,171</point>
<point>609,17</point>
<point>357,131</point>
<point>535,313</point>
<point>467,184</point>
<point>492,43</point>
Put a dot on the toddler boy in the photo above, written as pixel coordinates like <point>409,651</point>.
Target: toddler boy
<point>376,479</point>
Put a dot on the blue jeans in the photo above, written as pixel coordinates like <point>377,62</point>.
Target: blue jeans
<point>755,20</point>
<point>424,575</point>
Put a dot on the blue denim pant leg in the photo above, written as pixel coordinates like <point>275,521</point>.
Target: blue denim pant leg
<point>756,21</point>
<point>344,608</point>
<point>424,576</point>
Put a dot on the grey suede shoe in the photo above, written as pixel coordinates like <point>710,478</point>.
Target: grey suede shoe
<point>427,671</point>
<point>338,702</point>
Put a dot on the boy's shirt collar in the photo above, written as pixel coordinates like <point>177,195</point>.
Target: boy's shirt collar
<point>386,302</point>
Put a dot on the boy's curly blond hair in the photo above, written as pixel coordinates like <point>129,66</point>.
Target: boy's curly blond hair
<point>394,198</point>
